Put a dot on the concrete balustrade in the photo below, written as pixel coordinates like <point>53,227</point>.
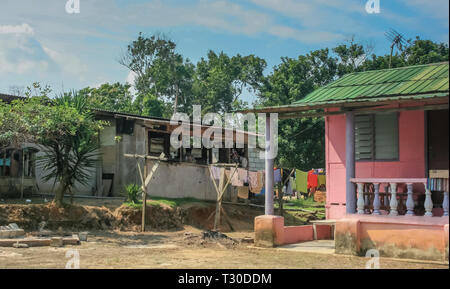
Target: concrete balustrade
<point>396,201</point>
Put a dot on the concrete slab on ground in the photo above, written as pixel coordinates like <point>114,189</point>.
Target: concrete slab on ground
<point>317,246</point>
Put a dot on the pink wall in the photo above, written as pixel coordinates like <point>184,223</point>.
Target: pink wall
<point>411,163</point>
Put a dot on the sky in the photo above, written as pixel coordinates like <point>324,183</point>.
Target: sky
<point>41,42</point>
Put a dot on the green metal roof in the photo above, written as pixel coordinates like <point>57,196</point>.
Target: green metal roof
<point>413,82</point>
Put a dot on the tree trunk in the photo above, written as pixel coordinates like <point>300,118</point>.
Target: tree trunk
<point>280,199</point>
<point>59,195</point>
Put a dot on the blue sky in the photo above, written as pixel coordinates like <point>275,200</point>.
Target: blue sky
<point>39,41</point>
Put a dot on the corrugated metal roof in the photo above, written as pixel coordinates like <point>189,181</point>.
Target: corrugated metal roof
<point>412,82</point>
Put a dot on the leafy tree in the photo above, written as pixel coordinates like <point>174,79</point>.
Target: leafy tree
<point>142,56</point>
<point>164,77</point>
<point>115,97</point>
<point>66,131</point>
<point>292,80</point>
<point>220,80</point>
<point>425,51</point>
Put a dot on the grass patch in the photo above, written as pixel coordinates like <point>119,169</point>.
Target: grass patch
<point>136,205</point>
<point>305,204</point>
<point>157,201</point>
<point>160,201</point>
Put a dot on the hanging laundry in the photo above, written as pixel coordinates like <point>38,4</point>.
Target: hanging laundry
<point>277,175</point>
<point>243,175</point>
<point>301,179</point>
<point>312,180</point>
<point>235,181</point>
<point>289,188</point>
<point>321,180</point>
<point>293,183</point>
<point>258,186</point>
<point>215,172</point>
<point>243,192</point>
<point>253,180</point>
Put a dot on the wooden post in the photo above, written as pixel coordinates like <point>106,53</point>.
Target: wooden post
<point>144,198</point>
<point>145,180</point>
<point>219,199</point>
<point>220,191</point>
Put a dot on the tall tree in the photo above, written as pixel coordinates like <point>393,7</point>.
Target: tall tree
<point>290,81</point>
<point>220,80</point>
<point>143,55</point>
<point>115,97</point>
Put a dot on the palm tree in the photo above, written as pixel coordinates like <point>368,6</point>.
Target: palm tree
<point>67,159</point>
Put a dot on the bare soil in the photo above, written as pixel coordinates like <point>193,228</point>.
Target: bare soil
<point>183,249</point>
<point>176,239</point>
<point>159,217</point>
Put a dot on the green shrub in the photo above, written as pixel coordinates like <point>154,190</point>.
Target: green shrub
<point>132,192</point>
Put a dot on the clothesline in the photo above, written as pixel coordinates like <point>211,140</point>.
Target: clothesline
<point>254,181</point>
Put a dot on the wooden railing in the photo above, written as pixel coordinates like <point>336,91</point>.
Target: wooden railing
<point>371,201</point>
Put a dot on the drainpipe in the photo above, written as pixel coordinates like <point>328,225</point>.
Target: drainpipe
<point>269,170</point>
<point>350,194</point>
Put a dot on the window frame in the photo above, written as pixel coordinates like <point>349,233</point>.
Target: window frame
<point>373,158</point>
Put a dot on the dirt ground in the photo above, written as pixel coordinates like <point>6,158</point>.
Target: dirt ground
<point>183,249</point>
<point>174,239</point>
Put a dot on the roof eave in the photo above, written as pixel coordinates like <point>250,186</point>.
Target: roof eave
<point>350,104</point>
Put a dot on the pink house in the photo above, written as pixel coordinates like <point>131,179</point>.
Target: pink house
<point>387,159</point>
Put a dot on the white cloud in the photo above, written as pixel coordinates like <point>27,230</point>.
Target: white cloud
<point>68,62</point>
<point>21,54</point>
<point>16,29</point>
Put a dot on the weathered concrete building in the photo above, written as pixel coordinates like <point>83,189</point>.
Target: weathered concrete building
<point>185,173</point>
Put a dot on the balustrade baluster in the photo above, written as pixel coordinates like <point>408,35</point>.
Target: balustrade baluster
<point>410,201</point>
<point>445,204</point>
<point>360,203</point>
<point>386,197</point>
<point>394,203</point>
<point>367,199</point>
<point>376,200</point>
<point>428,202</point>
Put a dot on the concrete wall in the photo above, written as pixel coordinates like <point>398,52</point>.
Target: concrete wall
<point>181,180</point>
<point>410,237</point>
<point>270,232</point>
<point>11,187</point>
<point>411,163</point>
